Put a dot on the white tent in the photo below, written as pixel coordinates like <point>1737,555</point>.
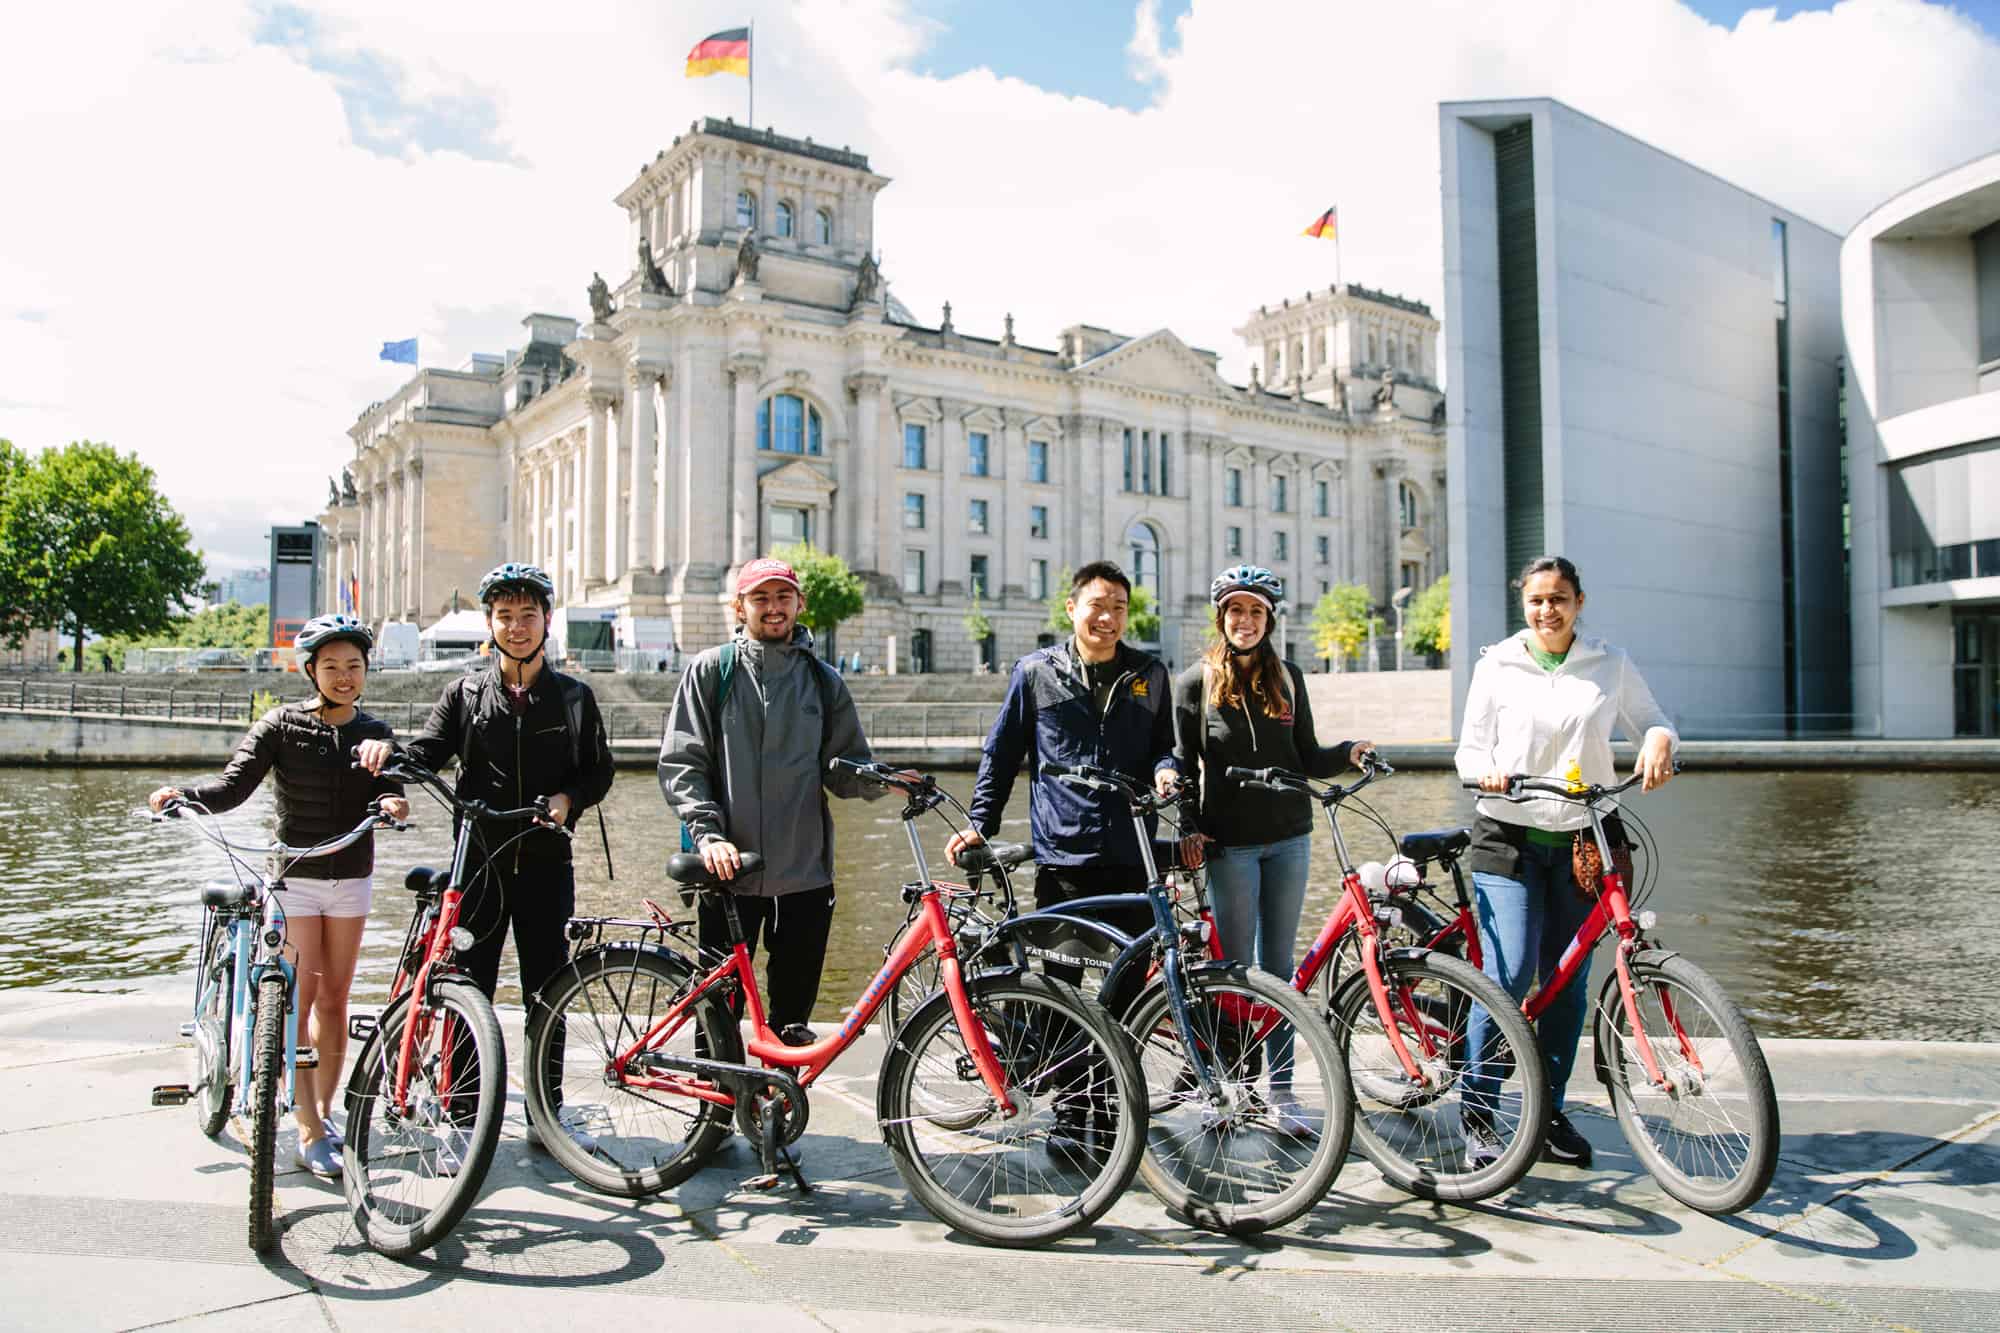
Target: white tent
<point>459,633</point>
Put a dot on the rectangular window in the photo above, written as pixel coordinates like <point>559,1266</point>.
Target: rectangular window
<point>788,525</point>
<point>975,583</point>
<point>1232,487</point>
<point>1038,461</point>
<point>1128,460</point>
<point>1038,521</point>
<point>1986,286</point>
<point>1166,475</point>
<point>913,571</point>
<point>1278,495</point>
<point>1232,541</point>
<point>1038,580</point>
<point>977,516</point>
<point>1322,500</point>
<point>977,461</point>
<point>913,444</point>
<point>1281,546</point>
<point>1323,549</point>
<point>913,510</point>
<point>1146,461</point>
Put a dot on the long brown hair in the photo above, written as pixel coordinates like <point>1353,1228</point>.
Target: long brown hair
<point>1229,683</point>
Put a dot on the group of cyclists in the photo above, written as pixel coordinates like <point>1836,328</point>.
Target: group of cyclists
<point>744,765</point>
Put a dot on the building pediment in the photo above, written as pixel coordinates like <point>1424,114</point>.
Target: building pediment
<point>1159,361</point>
<point>799,480</point>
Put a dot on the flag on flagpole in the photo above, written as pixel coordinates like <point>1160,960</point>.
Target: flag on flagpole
<point>726,52</point>
<point>1325,227</point>
<point>404,351</point>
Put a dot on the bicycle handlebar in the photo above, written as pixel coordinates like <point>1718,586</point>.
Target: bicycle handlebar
<point>1143,800</point>
<point>922,785</point>
<point>369,823</point>
<point>1284,779</point>
<point>1589,795</point>
<point>403,768</point>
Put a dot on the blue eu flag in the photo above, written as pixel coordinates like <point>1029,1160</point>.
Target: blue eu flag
<point>404,351</point>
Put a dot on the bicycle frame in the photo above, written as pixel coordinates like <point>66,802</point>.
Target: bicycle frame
<point>250,964</point>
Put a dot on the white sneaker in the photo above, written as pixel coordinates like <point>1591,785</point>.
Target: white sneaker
<point>451,1151</point>
<point>320,1157</point>
<point>1292,1119</point>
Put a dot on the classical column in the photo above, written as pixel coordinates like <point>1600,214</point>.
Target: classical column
<point>399,521</point>
<point>590,485</point>
<point>1092,443</point>
<point>745,372</point>
<point>864,471</point>
<point>617,440</point>
<point>642,413</point>
<point>1208,551</point>
<point>413,525</point>
<point>1258,494</point>
<point>1440,529</point>
<point>1391,472</point>
<point>666,532</point>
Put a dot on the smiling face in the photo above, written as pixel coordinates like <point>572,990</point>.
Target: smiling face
<point>1245,620</point>
<point>1550,604</point>
<point>1098,611</point>
<point>338,672</point>
<point>770,610</point>
<point>517,624</point>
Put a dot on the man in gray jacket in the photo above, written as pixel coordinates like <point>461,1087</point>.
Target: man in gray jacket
<point>745,766</point>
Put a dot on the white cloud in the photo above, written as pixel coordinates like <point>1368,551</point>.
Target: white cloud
<point>198,260</point>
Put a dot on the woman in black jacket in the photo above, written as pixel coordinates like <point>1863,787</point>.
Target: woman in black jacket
<point>1241,706</point>
<point>320,795</point>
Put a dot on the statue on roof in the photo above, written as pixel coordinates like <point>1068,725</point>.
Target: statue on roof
<point>746,258</point>
<point>332,493</point>
<point>600,299</point>
<point>652,279</point>
<point>867,283</point>
<point>1385,392</point>
<point>946,326</point>
<point>347,485</point>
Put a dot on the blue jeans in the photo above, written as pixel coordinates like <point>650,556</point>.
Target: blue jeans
<point>1525,925</point>
<point>1258,892</point>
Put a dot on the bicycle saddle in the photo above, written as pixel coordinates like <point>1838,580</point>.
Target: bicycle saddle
<point>987,855</point>
<point>423,879</point>
<point>1436,843</point>
<point>224,896</point>
<point>686,868</point>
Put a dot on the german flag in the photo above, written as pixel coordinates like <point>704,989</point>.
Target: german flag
<point>1324,227</point>
<point>721,53</point>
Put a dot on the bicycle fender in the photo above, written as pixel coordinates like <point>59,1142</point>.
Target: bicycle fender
<point>1359,976</point>
<point>1610,1002</point>
<point>934,999</point>
<point>1115,941</point>
<point>1126,981</point>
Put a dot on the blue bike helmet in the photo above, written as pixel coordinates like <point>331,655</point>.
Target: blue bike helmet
<point>322,630</point>
<point>516,578</point>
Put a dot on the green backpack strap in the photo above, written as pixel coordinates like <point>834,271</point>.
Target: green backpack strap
<point>727,662</point>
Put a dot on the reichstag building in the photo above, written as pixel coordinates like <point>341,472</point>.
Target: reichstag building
<point>753,381</point>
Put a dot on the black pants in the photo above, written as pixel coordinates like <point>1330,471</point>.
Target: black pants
<point>1056,885</point>
<point>795,929</point>
<point>536,902</point>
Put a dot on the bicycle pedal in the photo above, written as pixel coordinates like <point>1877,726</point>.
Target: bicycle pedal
<point>187,1028</point>
<point>306,1057</point>
<point>172,1094</point>
<point>767,1180</point>
<point>360,1027</point>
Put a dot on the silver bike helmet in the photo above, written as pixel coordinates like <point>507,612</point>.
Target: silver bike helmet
<point>322,630</point>
<point>516,578</point>
<point>1256,580</point>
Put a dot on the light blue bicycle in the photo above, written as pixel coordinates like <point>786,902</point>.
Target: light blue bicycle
<point>245,1024</point>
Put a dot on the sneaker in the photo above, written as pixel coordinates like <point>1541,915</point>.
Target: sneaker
<point>1563,1144</point>
<point>320,1158</point>
<point>571,1127</point>
<point>1482,1146</point>
<point>451,1150</point>
<point>1292,1121</point>
<point>335,1137</point>
<point>798,1034</point>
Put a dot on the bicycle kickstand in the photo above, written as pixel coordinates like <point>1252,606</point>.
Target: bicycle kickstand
<point>771,1155</point>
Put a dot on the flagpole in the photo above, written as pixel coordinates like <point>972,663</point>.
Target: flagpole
<point>1337,281</point>
<point>752,71</point>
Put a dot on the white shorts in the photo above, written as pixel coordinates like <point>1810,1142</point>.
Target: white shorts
<point>327,897</point>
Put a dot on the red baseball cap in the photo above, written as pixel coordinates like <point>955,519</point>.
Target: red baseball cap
<point>767,570</point>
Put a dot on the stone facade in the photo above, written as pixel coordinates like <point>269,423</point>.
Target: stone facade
<point>776,389</point>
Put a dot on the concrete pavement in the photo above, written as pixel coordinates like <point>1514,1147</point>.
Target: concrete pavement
<point>1885,1214</point>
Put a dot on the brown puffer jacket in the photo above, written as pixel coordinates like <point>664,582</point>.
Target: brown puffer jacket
<point>320,794</point>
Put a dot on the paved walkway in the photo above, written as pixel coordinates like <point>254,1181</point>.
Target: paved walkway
<point>1885,1214</point>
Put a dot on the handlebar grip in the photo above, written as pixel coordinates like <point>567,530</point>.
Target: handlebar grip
<point>1235,774</point>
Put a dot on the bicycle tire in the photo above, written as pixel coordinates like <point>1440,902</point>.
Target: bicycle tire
<point>267,1057</point>
<point>1194,1150</point>
<point>401,1192</point>
<point>636,1143</point>
<point>212,1070</point>
<point>1415,1136</point>
<point>1733,1094</point>
<point>1033,1177</point>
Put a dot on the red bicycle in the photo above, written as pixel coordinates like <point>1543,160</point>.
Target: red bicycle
<point>1687,1079</point>
<point>1013,1107</point>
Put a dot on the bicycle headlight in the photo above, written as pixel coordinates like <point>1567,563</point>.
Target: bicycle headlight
<point>461,939</point>
<point>1648,919</point>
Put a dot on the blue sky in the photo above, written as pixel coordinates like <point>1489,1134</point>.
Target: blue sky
<point>1077,47</point>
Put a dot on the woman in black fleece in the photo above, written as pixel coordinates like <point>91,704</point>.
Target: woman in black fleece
<point>1241,706</point>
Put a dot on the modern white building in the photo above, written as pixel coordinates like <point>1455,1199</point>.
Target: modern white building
<point>1644,371</point>
<point>1920,279</point>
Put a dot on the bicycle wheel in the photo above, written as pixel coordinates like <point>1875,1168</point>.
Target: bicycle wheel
<point>1268,1150</point>
<point>414,1164</point>
<point>210,1070</point>
<point>1055,1165</point>
<point>612,1135</point>
<point>1415,1131</point>
<point>267,1067</point>
<point>1710,1134</point>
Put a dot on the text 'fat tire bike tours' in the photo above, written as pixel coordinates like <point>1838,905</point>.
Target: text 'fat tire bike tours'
<point>1687,1079</point>
<point>1011,1105</point>
<point>1401,1016</point>
<point>429,1086</point>
<point>245,1028</point>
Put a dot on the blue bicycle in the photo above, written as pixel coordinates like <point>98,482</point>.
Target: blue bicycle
<point>245,1024</point>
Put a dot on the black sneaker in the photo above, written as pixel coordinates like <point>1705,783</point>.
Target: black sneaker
<point>1482,1146</point>
<point>1563,1144</point>
<point>798,1034</point>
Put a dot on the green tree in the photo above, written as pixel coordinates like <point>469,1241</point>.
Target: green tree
<point>231,625</point>
<point>91,544</point>
<point>1427,624</point>
<point>1059,620</point>
<point>15,618</point>
<point>1142,619</point>
<point>833,592</point>
<point>1342,620</point>
<point>975,622</point>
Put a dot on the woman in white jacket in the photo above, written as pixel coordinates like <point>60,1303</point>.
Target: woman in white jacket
<point>1539,702</point>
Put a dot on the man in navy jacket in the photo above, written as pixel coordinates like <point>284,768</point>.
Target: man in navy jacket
<point>1092,699</point>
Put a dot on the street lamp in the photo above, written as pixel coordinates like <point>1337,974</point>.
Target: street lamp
<point>1398,601</point>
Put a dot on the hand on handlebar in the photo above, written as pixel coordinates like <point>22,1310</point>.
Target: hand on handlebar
<point>1166,784</point>
<point>394,808</point>
<point>964,838</point>
<point>721,858</point>
<point>371,755</point>
<point>1656,766</point>
<point>558,807</point>
<point>157,801</point>
<point>1497,784</point>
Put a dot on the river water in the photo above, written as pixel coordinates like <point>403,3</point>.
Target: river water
<point>1829,904</point>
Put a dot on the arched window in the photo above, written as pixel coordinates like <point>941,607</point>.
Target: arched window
<point>1143,545</point>
<point>746,209</point>
<point>1406,500</point>
<point>788,424</point>
<point>783,223</point>
<point>1395,350</point>
<point>822,227</point>
<point>1370,360</point>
